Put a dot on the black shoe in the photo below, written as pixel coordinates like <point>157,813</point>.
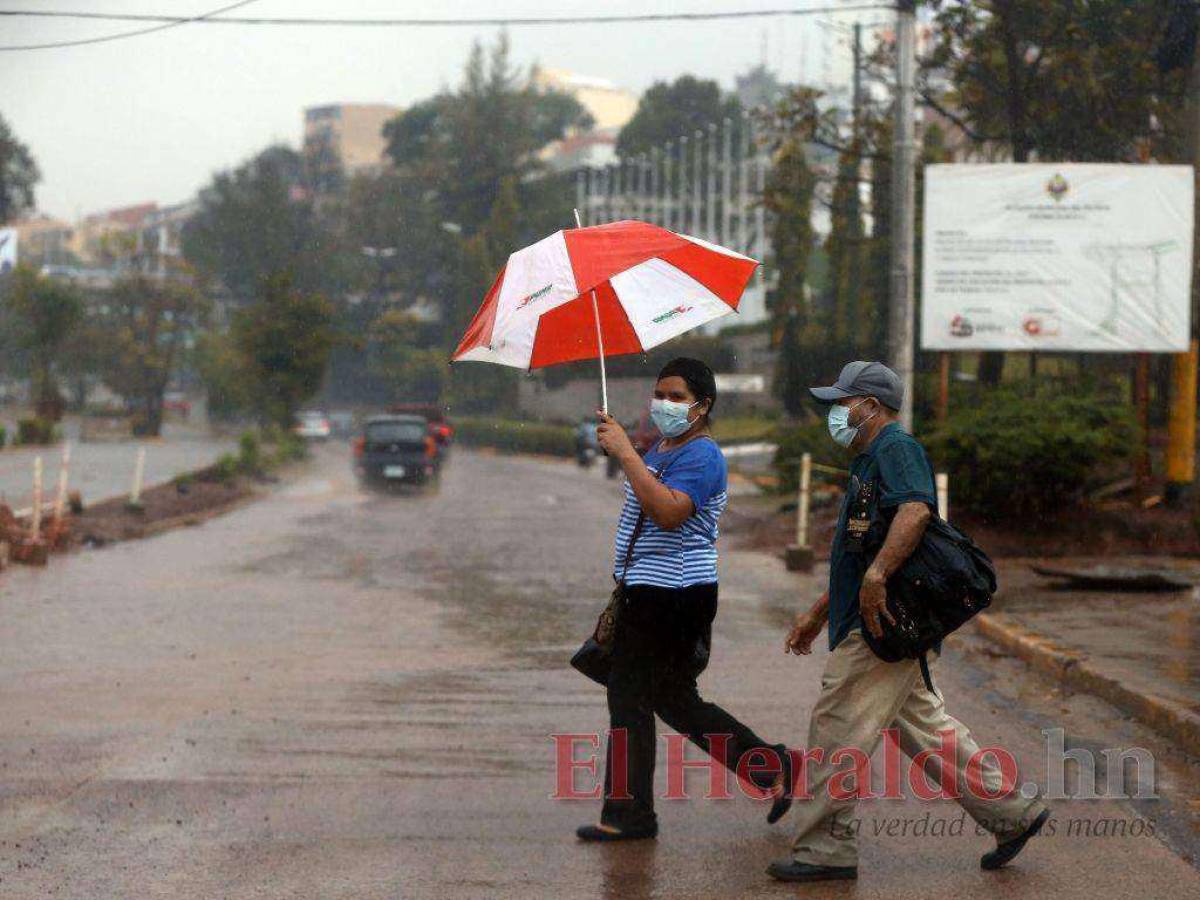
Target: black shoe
<point>596,833</point>
<point>783,802</point>
<point>1005,852</point>
<point>790,870</point>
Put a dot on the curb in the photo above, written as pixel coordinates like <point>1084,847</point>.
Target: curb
<point>1073,669</point>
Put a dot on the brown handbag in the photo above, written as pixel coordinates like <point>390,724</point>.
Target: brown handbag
<point>593,657</point>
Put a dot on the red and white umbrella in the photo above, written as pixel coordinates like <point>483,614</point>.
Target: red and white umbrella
<point>604,290</point>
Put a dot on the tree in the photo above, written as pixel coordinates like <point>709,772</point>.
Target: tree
<point>402,354</point>
<point>845,246</point>
<point>788,197</point>
<point>462,146</point>
<point>145,327</point>
<point>43,312</point>
<point>258,221</point>
<point>666,112</point>
<point>1073,80</point>
<point>18,174</point>
<point>223,372</point>
<point>283,340</point>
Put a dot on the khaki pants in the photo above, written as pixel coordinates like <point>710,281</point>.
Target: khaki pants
<point>860,696</point>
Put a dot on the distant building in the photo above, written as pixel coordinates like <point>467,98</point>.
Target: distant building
<point>344,139</point>
<point>44,240</point>
<point>160,235</point>
<point>104,237</point>
<point>757,88</point>
<point>610,107</point>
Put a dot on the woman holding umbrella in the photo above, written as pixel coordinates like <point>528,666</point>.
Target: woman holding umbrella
<point>664,629</point>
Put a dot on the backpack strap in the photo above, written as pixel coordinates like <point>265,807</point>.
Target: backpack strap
<point>928,678</point>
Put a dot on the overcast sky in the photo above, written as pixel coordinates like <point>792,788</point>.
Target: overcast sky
<point>151,118</point>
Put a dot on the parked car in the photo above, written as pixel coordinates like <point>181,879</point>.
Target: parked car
<point>341,421</point>
<point>396,450</point>
<point>313,426</point>
<point>177,402</point>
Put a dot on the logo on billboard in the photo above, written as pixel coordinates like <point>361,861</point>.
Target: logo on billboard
<point>1057,186</point>
<point>1041,326</point>
<point>961,327</point>
<point>671,313</point>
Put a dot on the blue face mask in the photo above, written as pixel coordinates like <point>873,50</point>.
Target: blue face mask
<point>840,428</point>
<point>671,418</point>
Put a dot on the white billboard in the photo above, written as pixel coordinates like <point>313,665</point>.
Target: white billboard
<point>1057,256</point>
<point>8,249</point>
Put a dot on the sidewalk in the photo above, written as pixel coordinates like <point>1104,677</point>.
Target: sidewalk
<point>1139,651</point>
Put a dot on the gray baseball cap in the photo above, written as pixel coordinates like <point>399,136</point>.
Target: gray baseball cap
<point>864,379</point>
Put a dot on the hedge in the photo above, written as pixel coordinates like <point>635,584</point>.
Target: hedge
<point>515,437</point>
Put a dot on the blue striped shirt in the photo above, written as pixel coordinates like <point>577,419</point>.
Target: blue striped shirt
<point>686,555</point>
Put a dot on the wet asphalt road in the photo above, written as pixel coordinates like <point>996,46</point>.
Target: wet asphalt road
<point>333,694</point>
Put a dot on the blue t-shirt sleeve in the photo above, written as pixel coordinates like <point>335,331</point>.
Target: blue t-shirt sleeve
<point>698,471</point>
<point>906,475</point>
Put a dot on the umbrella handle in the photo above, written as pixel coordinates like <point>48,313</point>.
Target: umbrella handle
<point>599,340</point>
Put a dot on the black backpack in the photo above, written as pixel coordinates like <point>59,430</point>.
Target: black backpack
<point>942,585</point>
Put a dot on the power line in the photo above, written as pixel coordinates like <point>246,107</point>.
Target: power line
<point>502,22</point>
<point>169,22</point>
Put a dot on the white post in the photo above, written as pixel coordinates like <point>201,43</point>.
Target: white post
<point>668,207</point>
<point>943,495</point>
<point>681,226</point>
<point>802,505</point>
<point>35,519</point>
<point>135,494</point>
<point>743,243</point>
<point>599,341</point>
<point>60,500</point>
<point>710,210</point>
<point>726,183</point>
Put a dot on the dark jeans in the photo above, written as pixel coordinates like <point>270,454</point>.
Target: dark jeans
<point>661,645</point>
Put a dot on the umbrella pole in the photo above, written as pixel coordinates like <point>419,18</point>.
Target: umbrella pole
<point>599,341</point>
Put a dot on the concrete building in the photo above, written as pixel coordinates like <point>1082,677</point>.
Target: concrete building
<point>45,241</point>
<point>343,139</point>
<point>610,107</point>
<point>104,237</point>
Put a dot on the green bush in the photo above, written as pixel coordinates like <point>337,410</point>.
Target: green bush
<point>249,453</point>
<point>793,441</point>
<point>227,467</point>
<point>1031,449</point>
<point>287,448</point>
<point>3,436</point>
<point>515,437</point>
<point>35,430</point>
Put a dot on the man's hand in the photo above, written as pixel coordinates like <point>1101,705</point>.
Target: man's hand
<point>613,438</point>
<point>805,630</point>
<point>872,602</point>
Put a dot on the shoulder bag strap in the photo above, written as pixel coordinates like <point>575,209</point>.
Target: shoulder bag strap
<point>638,526</point>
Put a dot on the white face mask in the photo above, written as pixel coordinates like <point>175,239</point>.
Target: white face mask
<point>840,428</point>
<point>671,418</point>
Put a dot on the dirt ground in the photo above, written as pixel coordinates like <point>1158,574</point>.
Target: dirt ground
<point>183,502</point>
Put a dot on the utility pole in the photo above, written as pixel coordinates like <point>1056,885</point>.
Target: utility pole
<point>1181,419</point>
<point>901,312</point>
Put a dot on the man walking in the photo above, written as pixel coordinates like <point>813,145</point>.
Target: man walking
<point>861,695</point>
